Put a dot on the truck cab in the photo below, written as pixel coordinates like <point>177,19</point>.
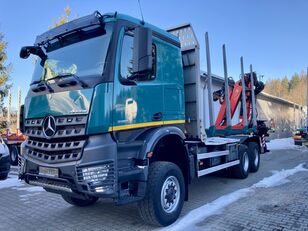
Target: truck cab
<point>114,111</point>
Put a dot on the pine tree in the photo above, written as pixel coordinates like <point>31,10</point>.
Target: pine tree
<point>5,70</point>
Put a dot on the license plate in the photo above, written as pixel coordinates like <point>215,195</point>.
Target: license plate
<point>54,172</point>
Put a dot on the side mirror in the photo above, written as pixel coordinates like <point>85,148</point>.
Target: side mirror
<point>142,54</point>
<point>21,119</point>
<point>35,50</point>
<point>24,52</point>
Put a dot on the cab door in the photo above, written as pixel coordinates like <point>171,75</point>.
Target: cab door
<point>137,103</point>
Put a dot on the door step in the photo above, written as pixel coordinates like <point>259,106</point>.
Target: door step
<point>201,156</point>
<point>217,168</point>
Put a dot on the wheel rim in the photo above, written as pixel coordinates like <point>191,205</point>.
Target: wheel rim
<point>170,194</point>
<point>246,161</point>
<point>256,162</point>
<point>13,155</point>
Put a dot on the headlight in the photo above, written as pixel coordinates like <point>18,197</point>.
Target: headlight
<point>23,149</point>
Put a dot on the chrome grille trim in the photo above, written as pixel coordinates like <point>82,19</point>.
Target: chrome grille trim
<point>34,122</point>
<point>62,146</point>
<point>54,158</point>
<point>71,120</point>
<point>60,121</point>
<point>61,133</point>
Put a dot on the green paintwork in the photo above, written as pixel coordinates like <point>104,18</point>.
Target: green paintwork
<point>164,94</point>
<point>58,104</point>
<point>169,62</point>
<point>210,131</point>
<point>100,116</point>
<point>230,131</point>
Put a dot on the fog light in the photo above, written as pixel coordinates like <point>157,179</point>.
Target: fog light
<point>95,174</point>
<point>104,189</point>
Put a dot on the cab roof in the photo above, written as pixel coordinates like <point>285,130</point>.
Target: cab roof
<point>96,19</point>
<point>118,16</point>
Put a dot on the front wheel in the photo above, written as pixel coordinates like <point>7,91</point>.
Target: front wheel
<point>164,197</point>
<point>79,202</point>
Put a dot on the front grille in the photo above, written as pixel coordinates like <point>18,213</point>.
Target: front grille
<point>65,145</point>
<point>66,127</point>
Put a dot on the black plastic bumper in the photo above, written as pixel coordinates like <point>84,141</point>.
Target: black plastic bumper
<point>101,150</point>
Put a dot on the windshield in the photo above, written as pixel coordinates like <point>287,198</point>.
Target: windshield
<point>82,53</point>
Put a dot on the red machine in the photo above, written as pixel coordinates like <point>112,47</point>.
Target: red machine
<point>235,92</point>
<point>13,141</point>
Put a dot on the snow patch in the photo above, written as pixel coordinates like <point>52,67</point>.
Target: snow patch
<point>285,143</point>
<point>279,177</point>
<point>10,182</point>
<point>217,206</point>
<point>207,210</point>
<point>25,197</point>
<point>30,189</point>
<point>14,183</point>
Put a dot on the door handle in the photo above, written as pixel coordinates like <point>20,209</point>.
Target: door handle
<point>157,116</point>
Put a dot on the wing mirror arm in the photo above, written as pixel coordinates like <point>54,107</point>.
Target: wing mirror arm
<point>35,50</point>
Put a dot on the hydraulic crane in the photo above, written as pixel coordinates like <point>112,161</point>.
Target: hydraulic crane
<point>235,91</point>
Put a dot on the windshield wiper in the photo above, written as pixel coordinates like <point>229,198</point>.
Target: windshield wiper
<point>66,75</point>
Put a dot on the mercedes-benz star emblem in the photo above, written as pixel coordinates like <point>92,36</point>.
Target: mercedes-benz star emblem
<point>49,127</point>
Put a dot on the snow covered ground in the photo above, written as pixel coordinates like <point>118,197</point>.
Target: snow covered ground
<point>14,183</point>
<point>217,206</point>
<point>285,143</point>
<point>11,181</point>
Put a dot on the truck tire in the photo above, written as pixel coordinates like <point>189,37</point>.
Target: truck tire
<point>79,202</point>
<point>164,197</point>
<point>4,176</point>
<point>241,170</point>
<point>254,156</point>
<point>14,155</point>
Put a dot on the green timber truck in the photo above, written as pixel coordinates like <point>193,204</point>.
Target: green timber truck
<point>117,108</point>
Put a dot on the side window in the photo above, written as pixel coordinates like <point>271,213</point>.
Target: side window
<point>126,65</point>
<point>127,56</point>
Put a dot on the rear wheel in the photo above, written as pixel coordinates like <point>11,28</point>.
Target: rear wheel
<point>14,155</point>
<point>164,197</point>
<point>79,202</point>
<point>254,156</point>
<point>241,170</point>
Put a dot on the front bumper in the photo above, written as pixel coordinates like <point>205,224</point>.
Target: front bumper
<point>97,173</point>
<point>302,141</point>
<point>4,165</point>
<point>99,151</point>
